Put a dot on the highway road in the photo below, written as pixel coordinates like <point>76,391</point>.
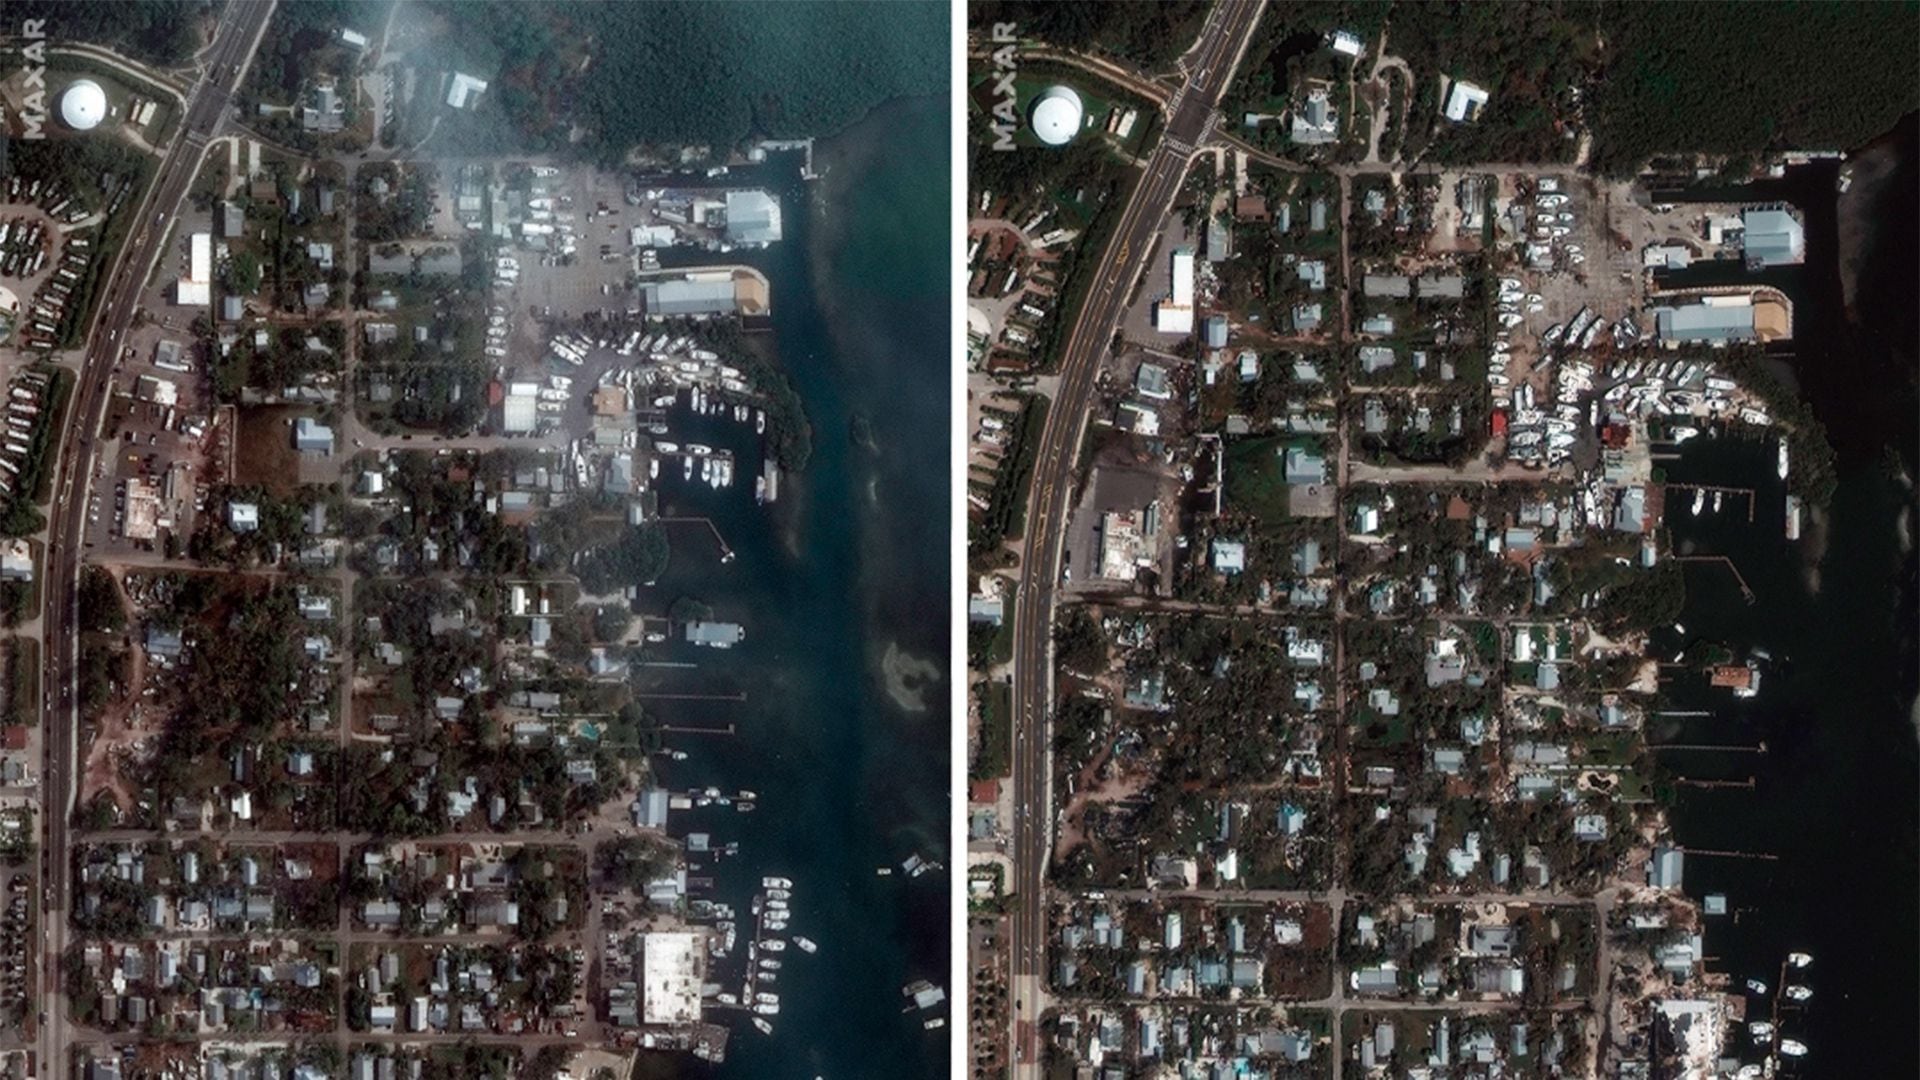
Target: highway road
<point>237,36</point>
<point>1192,109</point>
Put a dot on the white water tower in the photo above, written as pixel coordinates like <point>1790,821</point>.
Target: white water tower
<point>1057,114</point>
<point>83,105</point>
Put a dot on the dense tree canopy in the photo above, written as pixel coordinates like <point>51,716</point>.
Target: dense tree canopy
<point>1150,35</point>
<point>695,73</point>
<point>1726,78</point>
<point>161,32</point>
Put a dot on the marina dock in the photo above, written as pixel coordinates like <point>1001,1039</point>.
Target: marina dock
<point>1710,489</point>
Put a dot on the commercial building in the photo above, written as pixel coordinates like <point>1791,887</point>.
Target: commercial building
<point>519,409</point>
<point>670,977</point>
<point>161,392</point>
<point>706,292</point>
<point>143,510</point>
<point>1174,315</point>
<point>753,218</point>
<point>1774,237</point>
<point>196,289</point>
<point>1716,320</point>
<point>688,296</point>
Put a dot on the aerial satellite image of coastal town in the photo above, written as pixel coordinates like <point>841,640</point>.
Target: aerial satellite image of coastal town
<point>1440,579</point>
<point>474,477</point>
<point>998,540</point>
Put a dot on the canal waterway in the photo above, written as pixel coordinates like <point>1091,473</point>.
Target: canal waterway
<point>1837,795</point>
<point>843,588</point>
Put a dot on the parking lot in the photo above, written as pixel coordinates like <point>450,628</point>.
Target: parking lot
<point>592,204</point>
<point>154,465</point>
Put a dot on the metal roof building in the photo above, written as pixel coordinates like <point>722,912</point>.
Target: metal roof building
<point>753,217</point>
<point>519,411</point>
<point>309,436</point>
<point>1713,323</point>
<point>684,296</point>
<point>716,634</point>
<point>1774,237</point>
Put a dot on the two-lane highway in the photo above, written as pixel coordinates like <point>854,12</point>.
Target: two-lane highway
<point>237,36</point>
<point>1209,67</point>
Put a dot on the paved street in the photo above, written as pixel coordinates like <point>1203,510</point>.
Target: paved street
<point>1192,111</point>
<point>242,23</point>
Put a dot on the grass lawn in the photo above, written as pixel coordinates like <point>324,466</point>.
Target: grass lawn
<point>1255,479</point>
<point>995,757</point>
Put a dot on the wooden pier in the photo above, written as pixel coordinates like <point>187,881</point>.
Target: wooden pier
<point>726,553</point>
<point>690,729</point>
<point>1732,748</point>
<point>1745,592</point>
<point>1715,785</point>
<point>1710,853</point>
<point>737,695</point>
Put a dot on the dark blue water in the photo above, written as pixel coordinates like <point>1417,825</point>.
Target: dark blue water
<point>1838,795</point>
<point>852,559</point>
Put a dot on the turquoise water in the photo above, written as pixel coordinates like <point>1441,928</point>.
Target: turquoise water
<point>853,559</point>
